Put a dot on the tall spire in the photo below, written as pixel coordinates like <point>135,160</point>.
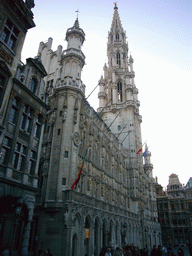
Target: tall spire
<point>118,87</point>
<point>116,22</point>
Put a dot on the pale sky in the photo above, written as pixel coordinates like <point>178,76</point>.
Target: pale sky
<point>159,34</point>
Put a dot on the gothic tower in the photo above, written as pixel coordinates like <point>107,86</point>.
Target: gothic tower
<point>118,90</point>
<point>65,92</point>
<point>118,102</point>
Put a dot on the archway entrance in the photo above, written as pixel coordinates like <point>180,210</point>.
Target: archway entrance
<point>87,233</point>
<point>74,245</point>
<point>96,238</point>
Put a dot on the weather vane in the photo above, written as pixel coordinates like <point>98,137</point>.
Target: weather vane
<point>77,13</point>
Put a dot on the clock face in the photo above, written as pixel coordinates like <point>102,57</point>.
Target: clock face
<point>76,138</point>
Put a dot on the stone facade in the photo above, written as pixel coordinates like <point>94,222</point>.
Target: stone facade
<point>114,202</point>
<point>175,211</point>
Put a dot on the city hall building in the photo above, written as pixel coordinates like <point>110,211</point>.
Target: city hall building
<point>114,200</point>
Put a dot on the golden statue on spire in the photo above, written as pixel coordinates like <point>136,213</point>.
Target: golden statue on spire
<point>115,5</point>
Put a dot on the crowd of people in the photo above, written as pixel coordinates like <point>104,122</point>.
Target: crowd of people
<point>6,251</point>
<point>130,250</point>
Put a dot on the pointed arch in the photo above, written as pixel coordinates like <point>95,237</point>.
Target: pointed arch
<point>118,58</point>
<point>74,244</point>
<point>97,236</point>
<point>87,233</point>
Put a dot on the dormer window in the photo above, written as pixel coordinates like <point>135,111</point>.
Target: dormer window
<point>33,85</point>
<point>10,35</point>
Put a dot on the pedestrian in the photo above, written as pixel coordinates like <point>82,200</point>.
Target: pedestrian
<point>190,249</point>
<point>102,253</point>
<point>38,252</point>
<point>159,251</point>
<point>128,251</point>
<point>108,253</point>
<point>136,251</point>
<point>180,252</point>
<point>154,251</point>
<point>117,252</point>
<point>48,252</point>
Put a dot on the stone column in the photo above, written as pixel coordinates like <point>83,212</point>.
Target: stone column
<point>26,235</point>
<point>91,239</point>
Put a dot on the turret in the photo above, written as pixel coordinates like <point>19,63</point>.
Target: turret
<point>102,94</point>
<point>73,58</point>
<point>75,36</point>
<point>147,161</point>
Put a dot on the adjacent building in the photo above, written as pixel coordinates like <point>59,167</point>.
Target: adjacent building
<point>22,116</point>
<point>175,211</point>
<point>114,202</point>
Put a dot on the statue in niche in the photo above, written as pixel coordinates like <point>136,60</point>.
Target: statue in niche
<point>95,189</point>
<point>102,190</point>
<point>64,115</point>
<point>45,168</point>
<point>89,184</point>
<point>75,111</point>
<point>50,123</point>
<point>82,120</point>
<point>113,195</point>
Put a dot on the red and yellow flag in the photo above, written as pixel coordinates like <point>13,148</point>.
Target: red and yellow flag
<point>139,151</point>
<point>79,173</point>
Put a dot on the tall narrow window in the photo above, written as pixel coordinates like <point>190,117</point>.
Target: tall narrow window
<point>10,35</point>
<point>37,131</point>
<point>7,142</point>
<point>33,85</point>
<point>119,91</point>
<point>117,37</point>
<point>26,119</point>
<point>118,59</point>
<point>19,157</point>
<point>32,162</point>
<point>14,111</point>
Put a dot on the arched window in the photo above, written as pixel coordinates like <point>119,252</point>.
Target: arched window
<point>117,36</point>
<point>118,59</point>
<point>119,91</point>
<point>33,85</point>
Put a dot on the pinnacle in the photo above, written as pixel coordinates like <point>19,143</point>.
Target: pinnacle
<point>76,24</point>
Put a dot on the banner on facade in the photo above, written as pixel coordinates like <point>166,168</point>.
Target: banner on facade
<point>86,233</point>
